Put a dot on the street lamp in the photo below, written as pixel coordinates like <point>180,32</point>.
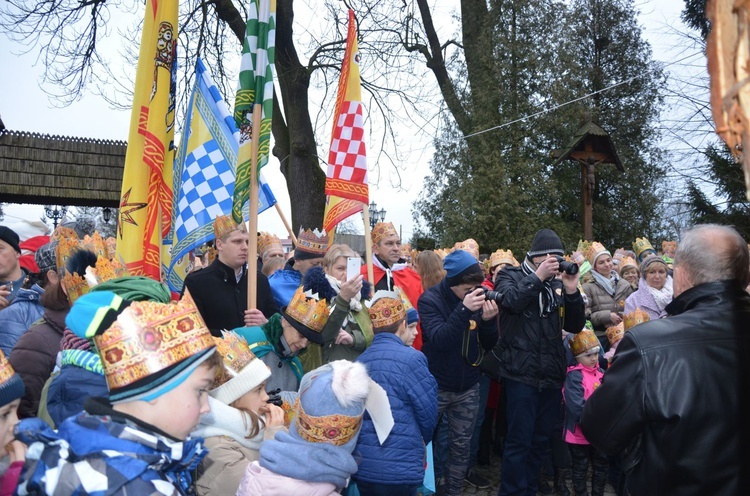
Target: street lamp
<point>106,214</point>
<point>375,214</point>
<point>55,213</point>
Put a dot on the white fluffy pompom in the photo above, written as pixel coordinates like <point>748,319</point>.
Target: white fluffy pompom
<point>350,382</point>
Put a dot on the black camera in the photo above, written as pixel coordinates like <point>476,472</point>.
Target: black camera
<point>567,267</point>
<point>274,397</point>
<point>489,294</point>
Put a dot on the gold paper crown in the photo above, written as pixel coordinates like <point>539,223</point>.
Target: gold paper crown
<point>105,269</point>
<point>6,369</point>
<point>111,247</point>
<point>503,257</point>
<point>635,318</point>
<point>332,429</point>
<point>640,245</point>
<point>627,262</point>
<point>225,224</point>
<point>468,245</point>
<point>615,333</point>
<point>594,250</point>
<point>618,255</point>
<point>583,341</point>
<point>666,245</point>
<point>577,257</point>
<point>406,250</point>
<point>404,299</point>
<point>443,252</point>
<point>149,337</point>
<point>583,246</point>
<point>315,242</point>
<point>267,240</point>
<point>235,354</point>
<point>381,231</point>
<point>308,310</point>
<point>386,310</point>
<point>62,232</point>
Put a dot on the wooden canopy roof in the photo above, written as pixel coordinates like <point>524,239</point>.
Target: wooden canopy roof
<point>590,140</point>
<point>60,170</point>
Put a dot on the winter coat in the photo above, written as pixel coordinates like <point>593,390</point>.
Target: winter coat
<point>530,348</point>
<point>674,398</point>
<point>412,392</point>
<point>105,452</point>
<point>22,312</point>
<point>601,304</point>
<point>261,481</point>
<point>9,480</point>
<point>222,301</point>
<point>80,378</point>
<point>229,449</point>
<point>580,383</point>
<point>284,283</point>
<point>447,326</point>
<point>33,358</point>
<point>286,368</point>
<point>643,299</point>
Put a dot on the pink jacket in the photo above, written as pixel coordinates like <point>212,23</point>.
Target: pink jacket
<point>260,481</point>
<point>580,383</point>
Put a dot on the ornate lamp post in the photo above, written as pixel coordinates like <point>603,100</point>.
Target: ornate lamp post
<point>375,214</point>
<point>106,214</point>
<point>55,213</point>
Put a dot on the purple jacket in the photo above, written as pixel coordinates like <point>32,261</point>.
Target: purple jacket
<point>642,299</point>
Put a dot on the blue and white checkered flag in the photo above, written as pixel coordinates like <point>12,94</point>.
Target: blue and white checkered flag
<point>204,172</point>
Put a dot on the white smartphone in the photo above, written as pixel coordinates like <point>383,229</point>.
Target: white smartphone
<point>353,265</point>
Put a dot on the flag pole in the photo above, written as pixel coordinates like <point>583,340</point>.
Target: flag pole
<point>286,223</point>
<point>368,246</point>
<point>252,234</point>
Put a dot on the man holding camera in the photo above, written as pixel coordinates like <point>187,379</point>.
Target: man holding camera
<point>459,324</point>
<point>535,306</point>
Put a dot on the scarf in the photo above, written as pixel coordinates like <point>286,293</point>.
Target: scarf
<point>547,301</point>
<point>662,297</point>
<point>388,270</point>
<point>290,456</point>
<point>225,420</point>
<point>354,304</point>
<point>609,284</point>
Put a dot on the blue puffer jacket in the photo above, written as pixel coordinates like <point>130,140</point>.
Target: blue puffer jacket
<point>284,283</point>
<point>23,311</point>
<point>72,387</point>
<point>446,326</point>
<point>412,391</point>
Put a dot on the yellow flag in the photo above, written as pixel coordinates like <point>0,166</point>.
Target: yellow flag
<point>146,198</point>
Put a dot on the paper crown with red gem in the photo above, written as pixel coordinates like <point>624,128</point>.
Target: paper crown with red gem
<point>146,348</point>
<point>627,262</point>
<point>311,244</point>
<point>108,264</point>
<point>594,251</point>
<point>225,224</point>
<point>308,314</point>
<point>584,343</point>
<point>634,318</point>
<point>381,231</point>
<point>470,246</point>
<point>241,371</point>
<point>386,308</point>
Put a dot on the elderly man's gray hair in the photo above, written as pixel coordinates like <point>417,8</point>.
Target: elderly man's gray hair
<point>711,252</point>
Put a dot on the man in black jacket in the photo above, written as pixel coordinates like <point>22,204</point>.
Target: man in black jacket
<point>220,290</point>
<point>674,401</point>
<point>534,307</point>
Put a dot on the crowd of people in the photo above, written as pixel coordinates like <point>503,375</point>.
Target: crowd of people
<point>625,367</point>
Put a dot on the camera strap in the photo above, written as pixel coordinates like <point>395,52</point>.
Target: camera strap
<point>467,342</point>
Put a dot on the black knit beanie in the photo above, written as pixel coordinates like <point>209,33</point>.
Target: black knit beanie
<point>546,241</point>
<point>9,236</point>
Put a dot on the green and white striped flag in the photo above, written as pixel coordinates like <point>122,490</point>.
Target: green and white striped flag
<point>256,87</point>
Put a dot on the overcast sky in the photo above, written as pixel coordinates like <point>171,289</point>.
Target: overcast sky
<point>24,106</point>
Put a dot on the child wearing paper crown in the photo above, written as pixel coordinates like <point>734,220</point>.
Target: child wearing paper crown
<point>12,452</point>
<point>397,466</point>
<point>240,418</point>
<point>159,363</point>
<point>315,457</point>
<point>580,381</point>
